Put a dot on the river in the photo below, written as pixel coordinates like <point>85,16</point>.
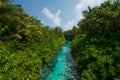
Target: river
<point>62,67</point>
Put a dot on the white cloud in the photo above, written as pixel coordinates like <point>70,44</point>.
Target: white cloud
<point>42,22</point>
<point>54,17</point>
<point>81,6</point>
<point>69,24</point>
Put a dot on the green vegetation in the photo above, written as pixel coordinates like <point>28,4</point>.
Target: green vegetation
<point>26,45</point>
<point>97,48</point>
<point>70,34</point>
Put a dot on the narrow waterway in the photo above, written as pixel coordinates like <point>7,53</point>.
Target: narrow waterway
<point>63,67</point>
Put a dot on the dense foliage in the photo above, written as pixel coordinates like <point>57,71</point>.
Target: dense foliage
<point>97,48</point>
<point>25,43</point>
<point>70,34</point>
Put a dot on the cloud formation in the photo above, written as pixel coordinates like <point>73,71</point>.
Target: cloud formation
<point>70,24</point>
<point>54,17</point>
<point>81,6</point>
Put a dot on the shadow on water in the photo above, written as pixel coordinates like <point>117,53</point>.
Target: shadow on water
<point>62,67</point>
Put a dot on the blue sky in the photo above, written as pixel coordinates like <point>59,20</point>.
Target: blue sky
<point>63,13</point>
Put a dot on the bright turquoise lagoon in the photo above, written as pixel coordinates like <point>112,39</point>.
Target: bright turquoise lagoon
<point>62,67</point>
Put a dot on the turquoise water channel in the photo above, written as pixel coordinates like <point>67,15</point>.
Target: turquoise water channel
<point>63,67</point>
